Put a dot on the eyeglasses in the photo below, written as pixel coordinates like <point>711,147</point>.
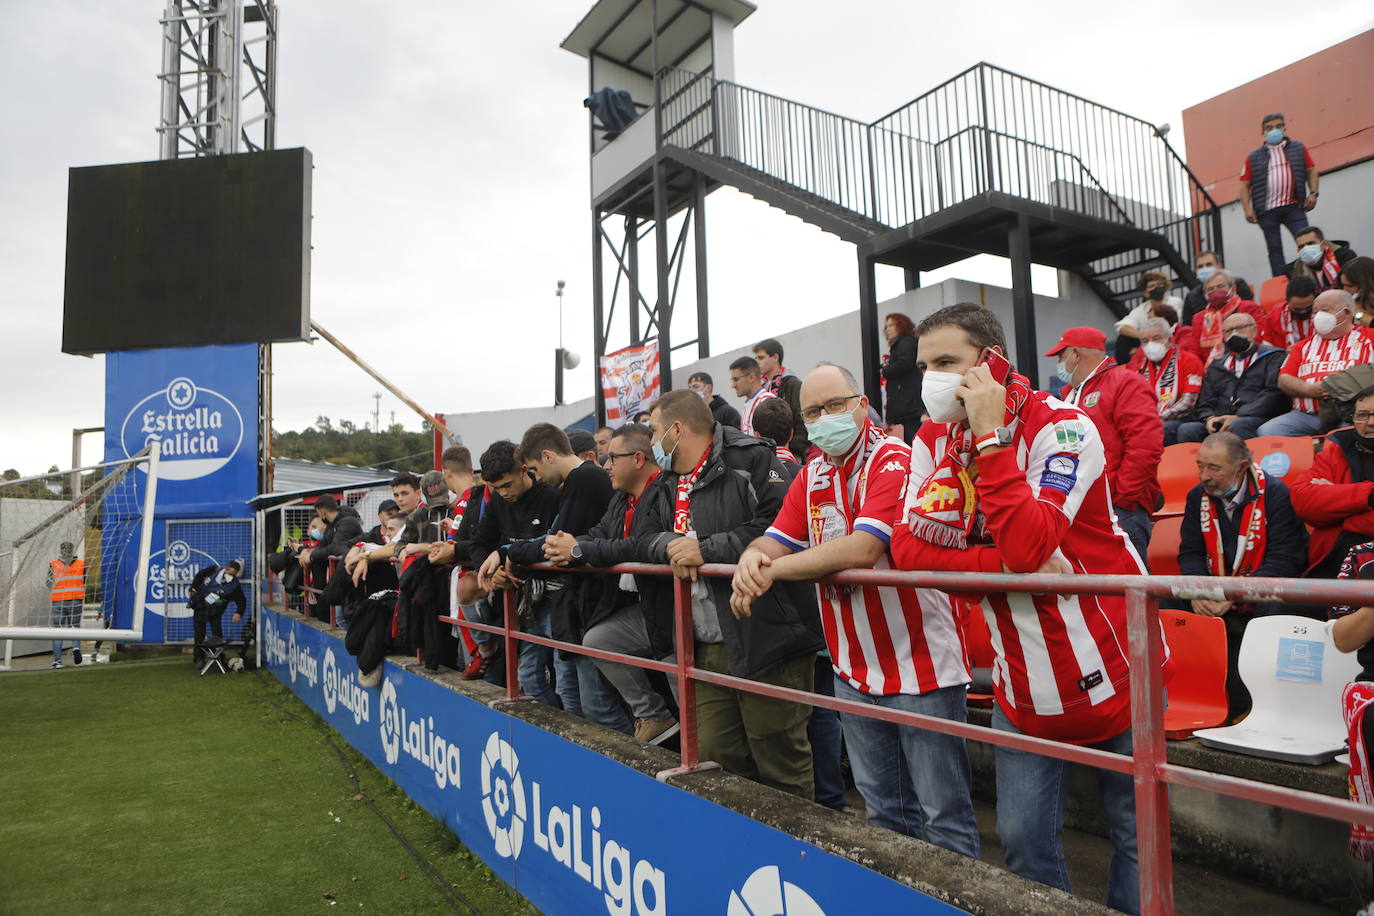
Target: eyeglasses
<point>834,405</point>
<point>614,455</point>
<point>1364,416</point>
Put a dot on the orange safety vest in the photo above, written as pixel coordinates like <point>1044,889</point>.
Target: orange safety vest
<point>68,582</point>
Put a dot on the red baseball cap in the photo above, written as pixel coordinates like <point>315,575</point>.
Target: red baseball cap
<point>1088,338</point>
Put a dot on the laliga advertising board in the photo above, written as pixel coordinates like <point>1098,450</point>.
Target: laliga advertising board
<point>202,404</point>
<point>572,830</point>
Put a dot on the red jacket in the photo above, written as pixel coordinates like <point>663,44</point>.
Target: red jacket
<point>1336,506</point>
<point>1124,408</point>
<point>1205,353</point>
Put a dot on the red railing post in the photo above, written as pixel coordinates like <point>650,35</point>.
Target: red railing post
<point>511,646</point>
<point>685,639</point>
<point>1153,840</point>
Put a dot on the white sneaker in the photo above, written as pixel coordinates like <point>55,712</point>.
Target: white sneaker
<point>56,664</point>
<point>101,659</point>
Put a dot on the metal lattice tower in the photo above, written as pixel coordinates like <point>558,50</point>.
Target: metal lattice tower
<point>219,88</point>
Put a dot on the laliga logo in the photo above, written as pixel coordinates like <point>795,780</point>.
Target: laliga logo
<point>300,661</point>
<point>575,842</point>
<point>343,689</point>
<point>200,429</point>
<point>503,797</point>
<point>391,723</point>
<point>766,894</point>
<point>277,650</point>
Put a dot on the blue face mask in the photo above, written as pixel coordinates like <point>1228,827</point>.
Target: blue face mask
<point>1205,273</point>
<point>1231,490</point>
<point>833,433</point>
<point>663,459</point>
<point>1273,136</point>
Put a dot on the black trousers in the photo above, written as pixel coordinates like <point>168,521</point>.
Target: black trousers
<point>200,616</point>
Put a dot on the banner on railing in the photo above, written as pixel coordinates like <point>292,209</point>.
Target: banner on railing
<point>571,829</point>
<point>629,381</point>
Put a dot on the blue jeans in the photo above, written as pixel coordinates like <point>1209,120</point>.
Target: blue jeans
<point>64,614</point>
<point>1293,423</point>
<point>1137,525</point>
<point>823,728</point>
<point>537,661</point>
<point>1291,215</point>
<point>1032,792</point>
<point>914,782</point>
<point>600,702</point>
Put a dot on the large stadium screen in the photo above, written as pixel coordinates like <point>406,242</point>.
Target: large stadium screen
<point>186,252</point>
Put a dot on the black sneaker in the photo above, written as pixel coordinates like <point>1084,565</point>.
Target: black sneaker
<point>76,656</point>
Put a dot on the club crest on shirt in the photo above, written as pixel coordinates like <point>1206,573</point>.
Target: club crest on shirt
<point>1061,473</point>
<point>827,523</point>
<point>1092,399</point>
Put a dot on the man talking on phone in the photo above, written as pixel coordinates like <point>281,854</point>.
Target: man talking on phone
<point>1005,478</point>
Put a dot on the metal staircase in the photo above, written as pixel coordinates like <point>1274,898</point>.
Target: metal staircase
<point>945,176</point>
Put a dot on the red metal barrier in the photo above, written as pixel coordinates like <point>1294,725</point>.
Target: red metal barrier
<point>1151,772</point>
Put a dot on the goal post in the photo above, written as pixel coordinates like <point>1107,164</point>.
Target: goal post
<point>64,553</point>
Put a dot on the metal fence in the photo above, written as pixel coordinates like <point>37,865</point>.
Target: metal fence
<point>1148,765</point>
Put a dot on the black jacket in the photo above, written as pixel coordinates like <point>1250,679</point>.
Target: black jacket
<point>605,545</point>
<point>1196,301</point>
<point>739,493</point>
<point>202,588</point>
<point>1341,249</point>
<point>506,523</point>
<point>1285,550</point>
<point>1255,394</point>
<point>903,382</point>
<point>789,389</point>
<point>723,413</point>
<point>339,535</point>
<point>462,537</point>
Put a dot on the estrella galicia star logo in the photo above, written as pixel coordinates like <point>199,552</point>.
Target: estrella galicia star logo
<point>181,393</point>
<point>179,553</point>
<point>503,796</point>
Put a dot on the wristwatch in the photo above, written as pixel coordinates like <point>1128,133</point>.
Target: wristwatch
<point>576,552</point>
<point>1001,437</point>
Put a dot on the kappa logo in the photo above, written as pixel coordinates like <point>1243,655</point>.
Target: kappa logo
<point>390,722</point>
<point>503,797</point>
<point>894,466</point>
<point>765,893</point>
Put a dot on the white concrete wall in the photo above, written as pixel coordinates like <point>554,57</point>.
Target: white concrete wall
<point>480,429</point>
<point>1343,212</point>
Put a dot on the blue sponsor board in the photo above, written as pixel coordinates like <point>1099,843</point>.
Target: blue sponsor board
<point>201,403</point>
<point>573,831</point>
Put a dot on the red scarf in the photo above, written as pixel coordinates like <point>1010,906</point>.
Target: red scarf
<point>1163,375</point>
<point>1251,539</point>
<point>1212,319</point>
<point>1355,699</point>
<point>943,510</point>
<point>785,454</point>
<point>634,501</point>
<point>1328,272</point>
<point>1295,330</point>
<point>682,511</point>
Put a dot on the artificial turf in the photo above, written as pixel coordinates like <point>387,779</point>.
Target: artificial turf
<point>139,787</point>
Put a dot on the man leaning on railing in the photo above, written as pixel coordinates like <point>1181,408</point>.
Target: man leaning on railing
<point>722,490</point>
<point>1005,478</point>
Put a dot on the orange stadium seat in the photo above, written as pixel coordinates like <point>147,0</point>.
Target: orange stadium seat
<point>1164,540</point>
<point>1284,457</point>
<point>1273,292</point>
<point>1177,475</point>
<point>1197,689</point>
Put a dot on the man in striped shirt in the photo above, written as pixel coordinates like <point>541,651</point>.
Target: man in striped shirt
<point>1005,478</point>
<point>1278,185</point>
<point>892,647</point>
<point>747,379</point>
<point>1337,344</point>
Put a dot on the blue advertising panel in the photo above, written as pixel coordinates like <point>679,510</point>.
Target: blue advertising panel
<point>201,403</point>
<point>572,830</point>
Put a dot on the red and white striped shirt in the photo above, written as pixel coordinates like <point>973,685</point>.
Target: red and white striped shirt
<point>1061,666</point>
<point>882,640</point>
<point>758,397</point>
<point>1283,330</point>
<point>1315,358</point>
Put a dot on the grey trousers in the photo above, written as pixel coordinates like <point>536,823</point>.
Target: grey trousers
<point>625,632</point>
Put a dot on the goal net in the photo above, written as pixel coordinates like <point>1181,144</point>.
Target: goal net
<point>74,551</point>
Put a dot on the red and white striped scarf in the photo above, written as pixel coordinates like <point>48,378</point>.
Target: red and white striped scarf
<point>682,507</point>
<point>1295,330</point>
<point>1236,365</point>
<point>785,454</point>
<point>1328,272</point>
<point>1251,538</point>
<point>1164,376</point>
<point>1355,699</point>
<point>1211,339</point>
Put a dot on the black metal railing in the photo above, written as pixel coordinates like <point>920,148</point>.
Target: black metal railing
<point>986,129</point>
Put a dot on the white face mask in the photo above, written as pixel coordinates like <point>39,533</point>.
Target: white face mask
<point>1324,322</point>
<point>939,392</point>
<point>1155,350</point>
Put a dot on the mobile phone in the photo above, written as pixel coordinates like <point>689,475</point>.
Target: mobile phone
<point>996,363</point>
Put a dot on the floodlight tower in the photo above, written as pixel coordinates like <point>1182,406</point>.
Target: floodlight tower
<point>219,84</point>
<point>646,175</point>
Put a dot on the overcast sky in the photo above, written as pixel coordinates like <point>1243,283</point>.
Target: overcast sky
<point>451,189</point>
